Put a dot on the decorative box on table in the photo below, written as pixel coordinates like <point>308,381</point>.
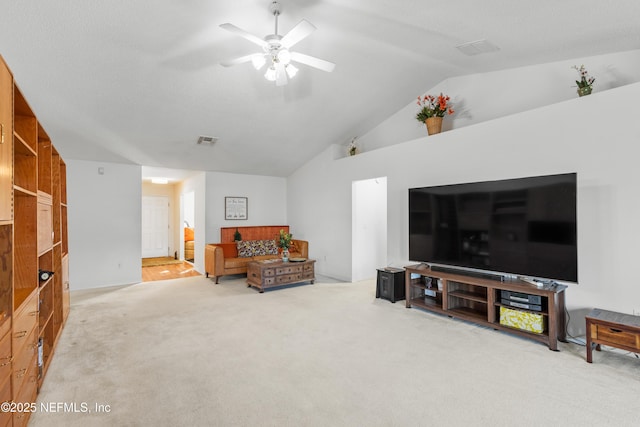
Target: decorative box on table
<point>524,320</point>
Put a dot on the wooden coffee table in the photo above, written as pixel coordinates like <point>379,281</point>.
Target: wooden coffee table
<point>271,273</point>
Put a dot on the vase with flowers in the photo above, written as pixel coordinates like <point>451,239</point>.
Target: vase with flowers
<point>353,148</point>
<point>284,242</point>
<point>432,111</point>
<point>585,84</point>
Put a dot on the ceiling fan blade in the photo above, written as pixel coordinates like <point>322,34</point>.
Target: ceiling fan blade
<point>281,75</point>
<point>312,61</point>
<point>242,33</point>
<point>236,61</point>
<point>297,33</point>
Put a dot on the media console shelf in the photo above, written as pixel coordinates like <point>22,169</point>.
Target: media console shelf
<point>478,300</point>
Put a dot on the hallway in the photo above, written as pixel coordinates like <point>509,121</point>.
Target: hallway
<point>169,271</point>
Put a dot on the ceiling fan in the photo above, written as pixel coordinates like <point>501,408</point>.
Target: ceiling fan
<point>276,53</point>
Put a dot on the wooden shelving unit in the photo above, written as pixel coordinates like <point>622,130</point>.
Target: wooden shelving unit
<point>33,237</point>
<point>477,300</point>
<point>6,237</point>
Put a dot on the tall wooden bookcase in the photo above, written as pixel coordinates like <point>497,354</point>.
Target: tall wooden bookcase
<point>33,238</point>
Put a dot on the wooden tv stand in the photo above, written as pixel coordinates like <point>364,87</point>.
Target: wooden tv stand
<point>478,300</point>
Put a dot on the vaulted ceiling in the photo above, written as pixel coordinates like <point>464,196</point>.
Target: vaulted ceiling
<point>138,81</point>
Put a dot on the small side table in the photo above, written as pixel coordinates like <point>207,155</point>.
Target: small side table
<point>613,329</point>
<point>390,284</point>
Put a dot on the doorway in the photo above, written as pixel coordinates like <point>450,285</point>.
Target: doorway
<point>155,226</point>
<point>188,217</point>
<point>368,228</point>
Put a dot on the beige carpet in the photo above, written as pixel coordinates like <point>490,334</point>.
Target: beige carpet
<point>187,352</point>
<point>165,260</point>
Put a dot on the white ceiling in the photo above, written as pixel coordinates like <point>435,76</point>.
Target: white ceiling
<point>138,81</point>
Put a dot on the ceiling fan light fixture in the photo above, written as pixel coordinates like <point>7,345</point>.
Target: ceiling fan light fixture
<point>258,61</point>
<point>270,74</point>
<point>291,70</point>
<point>276,53</point>
<point>284,56</point>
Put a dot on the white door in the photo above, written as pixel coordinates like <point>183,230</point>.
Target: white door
<point>155,226</point>
<point>368,228</point>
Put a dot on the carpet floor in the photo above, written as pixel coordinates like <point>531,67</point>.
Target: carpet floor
<point>191,353</point>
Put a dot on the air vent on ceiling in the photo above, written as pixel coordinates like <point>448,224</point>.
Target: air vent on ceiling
<point>477,47</point>
<point>207,140</point>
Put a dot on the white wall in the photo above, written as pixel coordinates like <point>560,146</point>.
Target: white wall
<point>197,185</point>
<point>320,207</point>
<point>104,215</point>
<point>595,136</point>
<point>267,201</point>
<point>189,214</point>
<point>481,97</point>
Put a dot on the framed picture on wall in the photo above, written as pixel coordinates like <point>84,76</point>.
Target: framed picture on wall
<point>236,208</point>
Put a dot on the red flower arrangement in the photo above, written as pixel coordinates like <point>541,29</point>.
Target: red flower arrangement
<point>433,106</point>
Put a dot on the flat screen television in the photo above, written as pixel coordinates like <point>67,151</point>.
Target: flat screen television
<point>523,226</point>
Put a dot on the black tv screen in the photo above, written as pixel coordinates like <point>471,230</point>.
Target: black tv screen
<point>522,226</point>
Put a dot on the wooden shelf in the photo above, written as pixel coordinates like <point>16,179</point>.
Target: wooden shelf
<point>6,259</point>
<point>521,332</point>
<point>45,283</point>
<point>64,238</point>
<point>55,195</point>
<point>44,161</point>
<point>25,278</point>
<point>477,300</point>
<point>21,148</point>
<point>21,295</point>
<point>24,168</point>
<point>471,296</point>
<point>58,311</point>
<point>426,303</point>
<point>63,182</point>
<point>44,321</point>
<point>25,131</point>
<point>24,121</point>
<point>419,286</point>
<point>33,216</point>
<point>468,314</point>
<point>45,224</point>
<point>19,191</point>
